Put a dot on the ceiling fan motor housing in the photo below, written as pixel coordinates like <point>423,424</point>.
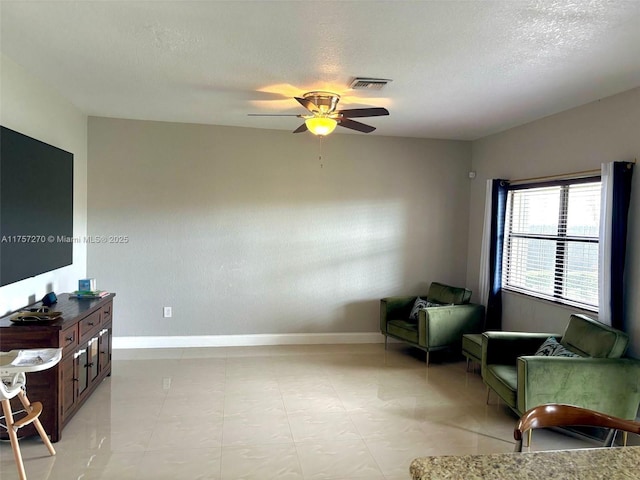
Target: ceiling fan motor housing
<point>327,102</point>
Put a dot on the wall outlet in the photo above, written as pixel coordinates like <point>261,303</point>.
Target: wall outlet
<point>167,312</point>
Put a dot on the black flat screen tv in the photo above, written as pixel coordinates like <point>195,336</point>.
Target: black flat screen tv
<point>36,207</point>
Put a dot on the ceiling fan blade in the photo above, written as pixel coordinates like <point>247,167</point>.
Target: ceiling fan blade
<point>301,128</point>
<point>272,115</point>
<point>364,112</point>
<point>353,125</point>
<point>308,104</point>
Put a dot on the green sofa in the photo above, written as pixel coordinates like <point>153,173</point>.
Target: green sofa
<point>436,328</point>
<point>598,378</point>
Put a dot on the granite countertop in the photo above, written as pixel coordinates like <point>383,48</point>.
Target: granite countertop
<point>583,464</point>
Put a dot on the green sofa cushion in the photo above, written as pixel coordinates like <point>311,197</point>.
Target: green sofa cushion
<point>590,338</point>
<point>504,380</point>
<point>403,329</point>
<point>440,293</point>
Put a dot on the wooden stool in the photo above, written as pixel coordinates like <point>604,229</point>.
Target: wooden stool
<point>13,366</point>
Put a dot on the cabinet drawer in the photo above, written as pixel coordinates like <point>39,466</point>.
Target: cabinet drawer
<point>68,339</point>
<point>89,325</point>
<point>106,312</point>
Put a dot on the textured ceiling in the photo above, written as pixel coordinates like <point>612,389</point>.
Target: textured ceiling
<point>460,70</point>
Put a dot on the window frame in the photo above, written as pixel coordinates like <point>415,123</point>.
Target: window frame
<point>561,241</point>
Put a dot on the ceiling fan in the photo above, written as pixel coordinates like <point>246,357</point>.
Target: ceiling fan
<point>324,116</point>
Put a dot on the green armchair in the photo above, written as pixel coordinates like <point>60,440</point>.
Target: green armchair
<point>436,328</point>
<point>598,378</point>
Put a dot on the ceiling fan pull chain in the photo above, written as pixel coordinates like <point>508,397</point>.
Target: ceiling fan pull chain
<point>320,152</point>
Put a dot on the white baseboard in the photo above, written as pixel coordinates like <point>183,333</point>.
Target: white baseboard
<point>246,340</point>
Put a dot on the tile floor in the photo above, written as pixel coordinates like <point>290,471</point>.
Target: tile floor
<point>315,412</point>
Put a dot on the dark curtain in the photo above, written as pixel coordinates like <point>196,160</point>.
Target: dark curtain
<point>498,207</point>
<point>622,175</point>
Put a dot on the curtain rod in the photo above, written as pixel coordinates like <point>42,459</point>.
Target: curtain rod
<point>561,176</point>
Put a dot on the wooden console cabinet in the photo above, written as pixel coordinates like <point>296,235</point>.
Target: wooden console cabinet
<point>84,333</point>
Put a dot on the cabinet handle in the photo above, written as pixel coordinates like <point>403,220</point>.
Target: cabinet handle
<point>75,379</point>
<point>89,365</point>
<point>90,324</point>
<point>69,339</point>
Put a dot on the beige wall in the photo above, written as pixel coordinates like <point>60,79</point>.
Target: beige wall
<point>578,139</point>
<point>32,108</point>
<point>247,231</point>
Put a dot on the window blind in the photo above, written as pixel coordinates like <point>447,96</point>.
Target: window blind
<point>551,241</point>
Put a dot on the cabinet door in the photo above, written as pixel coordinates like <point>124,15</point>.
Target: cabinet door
<point>104,348</point>
<point>81,370</point>
<point>92,359</point>
<point>68,384</point>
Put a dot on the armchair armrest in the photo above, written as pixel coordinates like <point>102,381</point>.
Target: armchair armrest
<point>505,347</point>
<point>444,326</point>
<point>394,308</point>
<point>607,385</point>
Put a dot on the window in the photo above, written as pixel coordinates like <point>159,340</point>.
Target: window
<point>551,241</point>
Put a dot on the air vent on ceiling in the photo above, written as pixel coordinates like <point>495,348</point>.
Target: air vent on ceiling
<point>369,83</point>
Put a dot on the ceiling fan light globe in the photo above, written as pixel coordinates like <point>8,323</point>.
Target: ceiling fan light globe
<point>321,126</point>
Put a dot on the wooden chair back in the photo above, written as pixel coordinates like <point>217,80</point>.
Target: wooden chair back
<point>558,415</point>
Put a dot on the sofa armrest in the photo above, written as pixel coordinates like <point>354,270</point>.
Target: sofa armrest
<point>394,308</point>
<point>504,348</point>
<point>444,326</point>
<point>607,385</point>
